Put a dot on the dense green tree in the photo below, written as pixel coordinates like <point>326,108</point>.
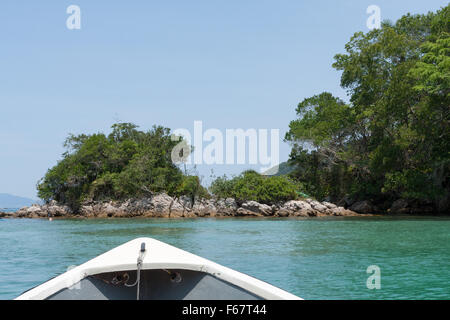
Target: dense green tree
<point>251,185</point>
<point>392,139</point>
<point>126,163</point>
<point>191,186</point>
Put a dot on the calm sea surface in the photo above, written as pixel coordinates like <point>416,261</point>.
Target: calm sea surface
<point>321,258</point>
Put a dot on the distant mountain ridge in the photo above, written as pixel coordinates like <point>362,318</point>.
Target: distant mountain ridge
<point>282,169</point>
<point>11,201</point>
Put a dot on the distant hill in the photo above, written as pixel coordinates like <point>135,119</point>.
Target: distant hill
<point>281,169</point>
<point>10,201</point>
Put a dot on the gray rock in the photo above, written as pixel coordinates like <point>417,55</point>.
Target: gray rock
<point>313,213</point>
<point>316,205</point>
<point>186,202</point>
<point>283,213</point>
<point>56,211</point>
<point>241,212</point>
<point>226,207</point>
<point>204,208</point>
<point>275,208</point>
<point>111,210</point>
<point>346,202</point>
<point>342,212</point>
<point>141,206</point>
<point>304,213</point>
<point>87,211</point>
<point>297,208</point>
<point>422,210</point>
<point>35,211</point>
<point>363,207</point>
<point>258,208</point>
<point>211,207</point>
<point>400,206</point>
<point>297,205</point>
<point>161,205</point>
<point>6,214</point>
<point>329,205</point>
<point>177,209</point>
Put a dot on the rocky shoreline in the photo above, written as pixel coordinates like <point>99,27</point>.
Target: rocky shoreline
<point>164,206</point>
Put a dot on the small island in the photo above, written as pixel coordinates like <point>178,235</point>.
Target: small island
<point>130,173</point>
<point>385,151</point>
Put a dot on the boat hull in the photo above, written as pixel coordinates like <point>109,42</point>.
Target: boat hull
<point>165,272</point>
<point>155,285</point>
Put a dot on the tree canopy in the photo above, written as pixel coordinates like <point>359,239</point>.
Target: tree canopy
<point>251,185</point>
<point>127,163</point>
<point>392,139</point>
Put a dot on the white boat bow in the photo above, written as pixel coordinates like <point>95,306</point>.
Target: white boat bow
<point>166,272</point>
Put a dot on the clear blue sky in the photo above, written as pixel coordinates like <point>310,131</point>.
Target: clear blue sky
<point>231,64</point>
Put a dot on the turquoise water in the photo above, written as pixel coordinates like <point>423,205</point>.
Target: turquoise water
<point>321,258</point>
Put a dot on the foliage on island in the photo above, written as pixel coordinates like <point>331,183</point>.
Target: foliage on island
<point>127,163</point>
<point>252,186</point>
<point>392,139</point>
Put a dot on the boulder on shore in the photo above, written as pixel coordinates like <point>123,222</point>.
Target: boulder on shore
<point>400,206</point>
<point>316,205</point>
<point>226,207</point>
<point>297,208</point>
<point>256,208</point>
<point>403,206</point>
<point>342,212</point>
<point>204,208</point>
<point>363,207</point>
<point>346,202</point>
<point>6,214</point>
<point>162,204</point>
<point>42,211</point>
